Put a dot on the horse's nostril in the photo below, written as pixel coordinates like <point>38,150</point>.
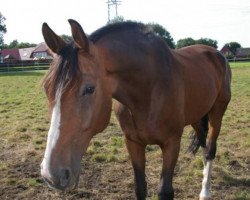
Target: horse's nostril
<point>67,174</point>
<point>65,177</point>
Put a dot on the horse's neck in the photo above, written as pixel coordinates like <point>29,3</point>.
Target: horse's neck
<point>131,79</point>
<point>128,85</point>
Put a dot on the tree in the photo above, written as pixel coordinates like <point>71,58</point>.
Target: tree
<point>161,31</point>
<point>13,44</point>
<point>116,19</point>
<point>3,29</point>
<point>185,42</point>
<point>25,45</point>
<point>233,46</point>
<point>207,41</point>
<point>190,41</point>
<point>67,38</point>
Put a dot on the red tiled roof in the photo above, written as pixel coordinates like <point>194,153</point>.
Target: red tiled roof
<point>225,49</point>
<point>14,53</point>
<point>41,47</point>
<point>25,53</point>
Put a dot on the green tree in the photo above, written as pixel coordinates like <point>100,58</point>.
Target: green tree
<point>25,45</point>
<point>233,46</point>
<point>116,19</point>
<point>161,31</point>
<point>3,29</point>
<point>207,41</point>
<point>13,44</point>
<point>185,42</point>
<point>67,38</point>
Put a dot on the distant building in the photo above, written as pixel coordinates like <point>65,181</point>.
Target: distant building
<point>243,53</point>
<point>42,51</point>
<point>227,52</point>
<point>9,55</point>
<point>25,54</point>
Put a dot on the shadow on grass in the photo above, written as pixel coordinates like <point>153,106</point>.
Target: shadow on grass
<point>229,180</point>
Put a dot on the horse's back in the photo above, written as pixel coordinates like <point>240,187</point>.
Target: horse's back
<point>206,76</point>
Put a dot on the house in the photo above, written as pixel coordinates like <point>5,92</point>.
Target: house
<point>226,51</point>
<point>9,55</point>
<point>243,53</point>
<point>42,52</point>
<point>25,54</point>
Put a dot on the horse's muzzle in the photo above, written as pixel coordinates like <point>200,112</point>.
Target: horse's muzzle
<point>61,180</point>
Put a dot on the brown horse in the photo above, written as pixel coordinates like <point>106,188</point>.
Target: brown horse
<point>158,92</point>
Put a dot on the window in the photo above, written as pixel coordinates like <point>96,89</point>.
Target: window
<point>40,55</point>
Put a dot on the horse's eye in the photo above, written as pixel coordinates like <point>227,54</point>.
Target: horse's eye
<point>88,90</point>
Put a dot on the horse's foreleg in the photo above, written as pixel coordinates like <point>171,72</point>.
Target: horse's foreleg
<point>170,152</point>
<point>137,155</point>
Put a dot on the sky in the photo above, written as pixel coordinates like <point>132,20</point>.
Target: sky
<point>221,20</point>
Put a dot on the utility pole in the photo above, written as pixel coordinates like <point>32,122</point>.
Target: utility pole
<point>113,4</point>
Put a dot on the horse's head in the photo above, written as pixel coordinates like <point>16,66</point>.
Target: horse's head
<point>79,104</point>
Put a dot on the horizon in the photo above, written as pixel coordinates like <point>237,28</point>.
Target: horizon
<point>224,21</point>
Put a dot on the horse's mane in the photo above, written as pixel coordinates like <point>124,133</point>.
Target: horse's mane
<point>117,27</point>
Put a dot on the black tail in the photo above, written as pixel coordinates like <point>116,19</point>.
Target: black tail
<point>199,139</point>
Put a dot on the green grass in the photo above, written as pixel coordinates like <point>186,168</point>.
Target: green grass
<point>106,167</point>
<point>23,104</point>
<point>16,69</point>
<point>240,64</point>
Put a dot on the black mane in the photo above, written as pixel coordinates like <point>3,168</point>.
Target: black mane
<point>117,27</point>
<point>63,70</point>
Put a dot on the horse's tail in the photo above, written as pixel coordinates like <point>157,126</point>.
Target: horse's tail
<point>199,138</point>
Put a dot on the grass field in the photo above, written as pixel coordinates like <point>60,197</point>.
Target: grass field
<point>106,170</point>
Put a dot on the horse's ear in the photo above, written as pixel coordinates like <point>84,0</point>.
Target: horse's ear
<point>80,38</point>
<point>54,42</point>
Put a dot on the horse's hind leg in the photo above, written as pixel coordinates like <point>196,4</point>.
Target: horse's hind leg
<point>215,119</point>
<point>215,116</point>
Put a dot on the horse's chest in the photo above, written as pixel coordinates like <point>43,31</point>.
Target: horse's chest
<point>148,132</point>
<point>148,126</point>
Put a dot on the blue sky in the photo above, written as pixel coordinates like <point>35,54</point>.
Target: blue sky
<point>223,20</point>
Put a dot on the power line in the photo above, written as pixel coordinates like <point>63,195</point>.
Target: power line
<point>115,4</point>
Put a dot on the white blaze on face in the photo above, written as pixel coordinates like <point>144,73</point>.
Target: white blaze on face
<point>206,182</point>
<point>53,133</point>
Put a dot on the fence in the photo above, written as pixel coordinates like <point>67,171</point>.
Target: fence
<point>44,65</point>
<point>239,60</point>
<point>24,66</point>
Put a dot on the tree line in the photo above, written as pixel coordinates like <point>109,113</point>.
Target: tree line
<point>158,29</point>
<point>166,36</point>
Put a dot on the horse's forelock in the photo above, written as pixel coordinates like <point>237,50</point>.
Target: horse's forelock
<point>62,72</point>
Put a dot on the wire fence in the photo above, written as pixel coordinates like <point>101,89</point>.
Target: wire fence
<point>239,59</point>
<point>23,66</point>
<point>44,65</point>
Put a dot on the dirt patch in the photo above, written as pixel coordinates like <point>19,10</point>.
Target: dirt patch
<point>109,180</point>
